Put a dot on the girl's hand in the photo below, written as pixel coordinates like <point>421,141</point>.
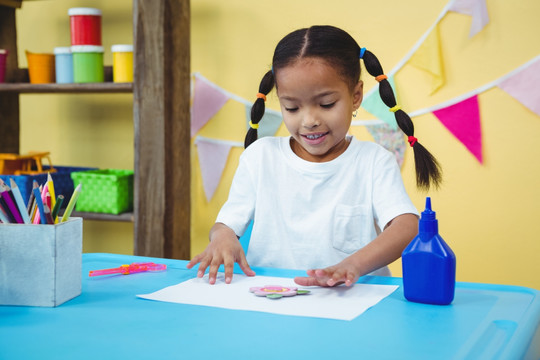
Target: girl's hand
<point>224,248</point>
<point>346,272</point>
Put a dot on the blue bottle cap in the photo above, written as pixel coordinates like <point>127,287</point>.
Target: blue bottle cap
<point>428,220</point>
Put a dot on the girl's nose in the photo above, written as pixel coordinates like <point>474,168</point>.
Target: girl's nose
<point>310,120</point>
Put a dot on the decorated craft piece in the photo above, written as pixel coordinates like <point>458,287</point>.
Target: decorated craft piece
<point>277,291</point>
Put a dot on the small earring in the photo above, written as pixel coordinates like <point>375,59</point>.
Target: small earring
<point>355,113</point>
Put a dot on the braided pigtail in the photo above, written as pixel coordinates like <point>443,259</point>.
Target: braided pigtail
<point>428,171</point>
<point>258,108</point>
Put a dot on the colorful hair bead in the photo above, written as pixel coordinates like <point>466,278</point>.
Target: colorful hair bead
<point>362,51</point>
<point>395,108</point>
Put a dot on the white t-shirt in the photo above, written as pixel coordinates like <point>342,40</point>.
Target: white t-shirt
<point>312,215</point>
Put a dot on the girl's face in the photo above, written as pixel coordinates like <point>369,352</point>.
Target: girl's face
<point>317,105</point>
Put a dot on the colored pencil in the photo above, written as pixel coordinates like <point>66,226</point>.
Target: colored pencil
<point>50,184</point>
<point>48,216</point>
<point>3,216</point>
<point>57,207</point>
<point>7,213</point>
<point>40,209</point>
<point>71,203</point>
<point>19,200</point>
<point>44,192</point>
<point>7,195</point>
<point>30,205</point>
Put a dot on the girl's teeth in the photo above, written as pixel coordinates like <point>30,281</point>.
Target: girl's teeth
<point>313,137</point>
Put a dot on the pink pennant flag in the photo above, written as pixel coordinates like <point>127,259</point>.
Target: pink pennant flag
<point>475,8</point>
<point>524,86</point>
<point>212,159</point>
<point>463,121</point>
<point>208,99</point>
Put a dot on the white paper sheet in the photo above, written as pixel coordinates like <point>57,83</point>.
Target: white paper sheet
<point>341,303</point>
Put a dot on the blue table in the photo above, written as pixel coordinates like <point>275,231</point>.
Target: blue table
<point>107,321</point>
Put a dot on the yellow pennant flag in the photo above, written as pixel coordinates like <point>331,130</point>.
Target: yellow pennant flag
<point>428,58</point>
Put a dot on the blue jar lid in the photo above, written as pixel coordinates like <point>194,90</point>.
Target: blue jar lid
<point>62,50</point>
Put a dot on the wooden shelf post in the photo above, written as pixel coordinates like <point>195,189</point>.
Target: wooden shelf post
<point>9,102</point>
<point>161,92</point>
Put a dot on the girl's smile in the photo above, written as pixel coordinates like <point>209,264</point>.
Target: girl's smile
<point>317,105</point>
<point>315,138</point>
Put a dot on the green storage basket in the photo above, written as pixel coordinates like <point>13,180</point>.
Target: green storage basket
<point>107,191</point>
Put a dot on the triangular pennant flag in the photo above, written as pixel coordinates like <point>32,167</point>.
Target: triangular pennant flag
<point>463,121</point>
<point>208,99</point>
<point>428,58</point>
<point>212,159</point>
<point>391,139</point>
<point>475,8</point>
<point>269,124</point>
<point>374,105</point>
<point>524,86</point>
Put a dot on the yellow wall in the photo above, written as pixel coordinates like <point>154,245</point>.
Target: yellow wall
<point>487,213</point>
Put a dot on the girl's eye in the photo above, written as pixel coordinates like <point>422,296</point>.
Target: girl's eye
<point>328,106</point>
<point>291,109</point>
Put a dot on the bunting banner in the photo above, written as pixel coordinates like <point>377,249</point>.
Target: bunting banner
<point>461,116</point>
<point>475,8</point>
<point>389,138</point>
<point>524,86</point>
<point>269,124</point>
<point>207,101</point>
<point>428,58</point>
<point>212,159</point>
<point>463,121</point>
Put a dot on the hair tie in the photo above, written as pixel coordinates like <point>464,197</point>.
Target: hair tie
<point>412,140</point>
<point>395,108</point>
<point>261,96</point>
<point>253,126</point>
<point>381,77</point>
<point>362,51</point>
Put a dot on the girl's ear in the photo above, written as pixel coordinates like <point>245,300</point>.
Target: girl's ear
<point>358,94</point>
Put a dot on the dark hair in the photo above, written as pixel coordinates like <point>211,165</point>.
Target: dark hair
<point>342,52</point>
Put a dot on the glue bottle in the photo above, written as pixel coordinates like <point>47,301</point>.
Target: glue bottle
<point>429,265</point>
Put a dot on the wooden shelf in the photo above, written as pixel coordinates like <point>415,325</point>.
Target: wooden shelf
<point>124,217</point>
<point>161,118</point>
<point>106,87</point>
<point>20,84</point>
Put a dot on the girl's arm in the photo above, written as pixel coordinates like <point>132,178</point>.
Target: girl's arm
<point>386,248</point>
<point>224,248</point>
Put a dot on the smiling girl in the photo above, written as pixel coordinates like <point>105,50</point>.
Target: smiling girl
<point>320,200</point>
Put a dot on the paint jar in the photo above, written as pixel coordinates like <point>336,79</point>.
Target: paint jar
<point>40,68</point>
<point>3,60</point>
<point>122,63</point>
<point>87,63</point>
<point>64,65</point>
<point>85,25</point>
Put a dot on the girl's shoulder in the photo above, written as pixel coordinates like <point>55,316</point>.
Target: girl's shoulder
<point>367,148</point>
<point>267,144</point>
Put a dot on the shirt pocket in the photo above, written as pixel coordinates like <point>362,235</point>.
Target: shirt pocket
<point>351,228</point>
